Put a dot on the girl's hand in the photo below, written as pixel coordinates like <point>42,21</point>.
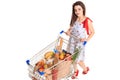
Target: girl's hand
<point>82,39</point>
<point>67,33</point>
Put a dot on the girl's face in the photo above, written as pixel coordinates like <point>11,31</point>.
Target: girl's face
<point>78,10</point>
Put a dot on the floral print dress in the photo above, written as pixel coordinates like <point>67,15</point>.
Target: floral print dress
<point>77,32</point>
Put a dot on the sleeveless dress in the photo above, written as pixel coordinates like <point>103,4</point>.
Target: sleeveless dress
<point>80,31</point>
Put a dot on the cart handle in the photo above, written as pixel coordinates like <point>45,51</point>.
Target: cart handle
<point>62,32</point>
<point>84,43</point>
<point>28,62</point>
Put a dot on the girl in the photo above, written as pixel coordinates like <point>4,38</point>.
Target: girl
<point>82,28</point>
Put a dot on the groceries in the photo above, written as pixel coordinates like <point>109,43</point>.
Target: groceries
<point>51,58</point>
<point>52,63</point>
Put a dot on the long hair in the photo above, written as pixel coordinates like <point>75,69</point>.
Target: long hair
<point>74,16</point>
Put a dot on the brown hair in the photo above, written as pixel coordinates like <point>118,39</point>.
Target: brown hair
<point>74,16</point>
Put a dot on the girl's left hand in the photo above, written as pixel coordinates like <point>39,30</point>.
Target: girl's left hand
<point>82,39</point>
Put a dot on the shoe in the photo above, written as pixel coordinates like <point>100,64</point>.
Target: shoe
<point>85,72</point>
<point>75,74</point>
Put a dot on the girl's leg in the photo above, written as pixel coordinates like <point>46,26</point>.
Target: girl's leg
<point>85,69</point>
<point>75,66</point>
<point>81,59</point>
<point>81,63</point>
<point>75,70</point>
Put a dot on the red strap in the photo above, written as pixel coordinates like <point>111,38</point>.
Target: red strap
<point>85,24</point>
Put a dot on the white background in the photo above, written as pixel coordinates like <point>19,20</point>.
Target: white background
<point>27,26</point>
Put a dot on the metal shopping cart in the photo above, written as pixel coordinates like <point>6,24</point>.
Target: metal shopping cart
<point>61,67</point>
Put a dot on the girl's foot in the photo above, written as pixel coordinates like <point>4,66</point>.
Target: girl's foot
<point>85,72</point>
<point>75,74</point>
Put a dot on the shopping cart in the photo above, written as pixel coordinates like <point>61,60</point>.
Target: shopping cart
<point>61,69</point>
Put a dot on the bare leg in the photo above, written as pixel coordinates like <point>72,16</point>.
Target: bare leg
<point>81,63</point>
<point>75,70</point>
<point>75,66</point>
<point>85,69</point>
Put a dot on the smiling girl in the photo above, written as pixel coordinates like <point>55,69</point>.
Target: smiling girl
<point>82,28</point>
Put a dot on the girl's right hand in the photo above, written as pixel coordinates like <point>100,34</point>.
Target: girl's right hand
<point>67,33</point>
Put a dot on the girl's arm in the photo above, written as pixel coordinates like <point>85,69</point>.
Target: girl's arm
<point>68,31</point>
<point>92,32</point>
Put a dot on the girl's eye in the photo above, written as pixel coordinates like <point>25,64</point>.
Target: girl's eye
<point>77,10</point>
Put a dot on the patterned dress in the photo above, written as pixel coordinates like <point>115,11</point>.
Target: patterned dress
<point>78,32</point>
